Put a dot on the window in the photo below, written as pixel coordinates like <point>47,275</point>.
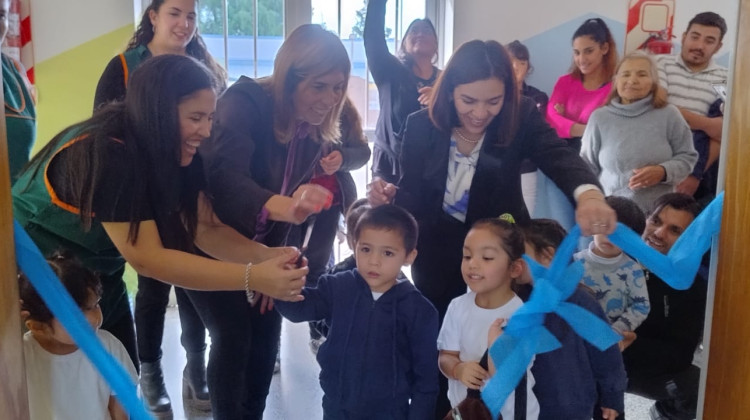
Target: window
<point>347,19</point>
<point>243,35</point>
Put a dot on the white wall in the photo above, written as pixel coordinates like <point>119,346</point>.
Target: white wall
<point>59,25</point>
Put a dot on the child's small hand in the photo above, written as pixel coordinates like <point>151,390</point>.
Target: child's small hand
<point>609,414</point>
<point>496,330</point>
<point>470,374</point>
<point>266,302</point>
<point>628,338</point>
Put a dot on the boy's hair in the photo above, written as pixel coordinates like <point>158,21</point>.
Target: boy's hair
<point>544,233</point>
<point>390,217</point>
<point>709,19</point>
<point>354,213</point>
<point>511,236</point>
<point>628,213</point>
<point>76,278</point>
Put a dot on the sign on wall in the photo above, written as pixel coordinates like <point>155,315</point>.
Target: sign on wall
<point>649,26</point>
<point>18,40</point>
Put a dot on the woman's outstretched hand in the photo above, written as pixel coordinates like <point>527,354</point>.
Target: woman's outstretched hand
<point>278,277</point>
<point>307,200</point>
<point>594,215</point>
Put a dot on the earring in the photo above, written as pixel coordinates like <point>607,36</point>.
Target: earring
<point>153,29</point>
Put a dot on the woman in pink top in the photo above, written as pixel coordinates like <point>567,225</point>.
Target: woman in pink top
<point>577,94</point>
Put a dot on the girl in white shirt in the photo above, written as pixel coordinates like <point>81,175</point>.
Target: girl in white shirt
<point>62,383</point>
<point>491,261</point>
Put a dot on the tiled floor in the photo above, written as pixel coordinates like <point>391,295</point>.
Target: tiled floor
<point>294,393</point>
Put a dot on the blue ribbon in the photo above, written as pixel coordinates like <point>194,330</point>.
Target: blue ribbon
<point>525,335</point>
<point>46,283</point>
<point>679,266</point>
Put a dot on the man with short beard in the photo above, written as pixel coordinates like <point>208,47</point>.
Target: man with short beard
<point>689,79</point>
<point>659,363</point>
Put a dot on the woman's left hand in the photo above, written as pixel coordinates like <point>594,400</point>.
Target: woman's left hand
<point>332,162</point>
<point>594,215</point>
<point>647,176</point>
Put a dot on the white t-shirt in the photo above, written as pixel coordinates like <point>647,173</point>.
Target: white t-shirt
<point>68,387</point>
<point>465,330</point>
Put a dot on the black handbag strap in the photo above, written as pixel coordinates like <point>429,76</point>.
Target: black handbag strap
<point>519,410</point>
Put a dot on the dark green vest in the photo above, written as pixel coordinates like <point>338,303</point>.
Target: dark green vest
<point>55,225</point>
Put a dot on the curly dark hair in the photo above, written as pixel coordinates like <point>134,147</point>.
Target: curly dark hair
<point>77,279</point>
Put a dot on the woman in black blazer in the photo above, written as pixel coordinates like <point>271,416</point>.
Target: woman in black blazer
<point>461,161</point>
<point>478,115</point>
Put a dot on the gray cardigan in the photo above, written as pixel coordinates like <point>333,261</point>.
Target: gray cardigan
<point>620,138</point>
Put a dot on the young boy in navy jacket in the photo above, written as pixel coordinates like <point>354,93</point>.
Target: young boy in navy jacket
<point>380,358</point>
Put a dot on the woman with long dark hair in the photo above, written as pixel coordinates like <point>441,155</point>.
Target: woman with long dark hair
<point>586,86</point>
<point>167,27</point>
<point>126,186</point>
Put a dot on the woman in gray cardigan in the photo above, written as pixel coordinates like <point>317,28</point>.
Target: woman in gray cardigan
<point>638,145</point>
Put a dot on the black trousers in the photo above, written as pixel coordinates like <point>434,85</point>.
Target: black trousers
<point>150,307</point>
<point>244,344</point>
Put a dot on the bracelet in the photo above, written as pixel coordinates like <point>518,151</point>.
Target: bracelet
<point>249,293</point>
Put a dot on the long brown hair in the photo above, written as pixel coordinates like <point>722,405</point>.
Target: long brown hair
<point>473,61</point>
<point>309,51</point>
<point>196,48</point>
<point>597,30</point>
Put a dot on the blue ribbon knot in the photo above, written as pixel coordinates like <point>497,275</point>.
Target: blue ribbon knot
<point>525,335</point>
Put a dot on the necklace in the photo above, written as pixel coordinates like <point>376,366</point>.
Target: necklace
<point>464,138</point>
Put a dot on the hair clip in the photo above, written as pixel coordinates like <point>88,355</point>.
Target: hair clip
<point>507,217</point>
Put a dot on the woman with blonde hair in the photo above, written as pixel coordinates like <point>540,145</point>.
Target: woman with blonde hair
<point>638,145</point>
<point>269,138</point>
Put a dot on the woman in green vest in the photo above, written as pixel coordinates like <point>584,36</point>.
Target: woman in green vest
<point>126,185</point>
<point>167,27</point>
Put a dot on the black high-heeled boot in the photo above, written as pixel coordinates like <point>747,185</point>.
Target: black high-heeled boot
<point>194,385</point>
<point>153,390</point>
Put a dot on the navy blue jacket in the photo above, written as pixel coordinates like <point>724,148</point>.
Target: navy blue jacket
<point>378,354</point>
<point>569,379</point>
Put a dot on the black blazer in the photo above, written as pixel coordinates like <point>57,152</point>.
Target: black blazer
<point>496,186</point>
<point>244,163</point>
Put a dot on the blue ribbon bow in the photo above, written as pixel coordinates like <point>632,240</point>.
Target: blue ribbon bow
<point>525,335</point>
